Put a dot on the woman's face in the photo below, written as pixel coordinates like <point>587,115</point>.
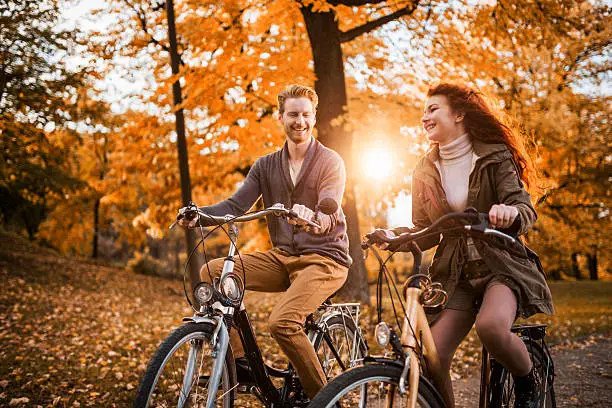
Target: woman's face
<point>441,124</point>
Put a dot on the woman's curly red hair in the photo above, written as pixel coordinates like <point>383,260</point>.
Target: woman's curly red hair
<point>484,125</point>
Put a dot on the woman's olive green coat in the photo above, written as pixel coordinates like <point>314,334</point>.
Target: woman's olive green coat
<point>493,180</point>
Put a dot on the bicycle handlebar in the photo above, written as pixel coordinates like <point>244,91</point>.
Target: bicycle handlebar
<point>277,209</point>
<point>479,223</point>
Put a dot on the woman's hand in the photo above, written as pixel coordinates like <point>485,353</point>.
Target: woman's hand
<point>502,216</point>
<point>378,236</point>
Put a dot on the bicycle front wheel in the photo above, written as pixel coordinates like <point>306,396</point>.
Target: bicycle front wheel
<point>178,373</point>
<point>373,386</point>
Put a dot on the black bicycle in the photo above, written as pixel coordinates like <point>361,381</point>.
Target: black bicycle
<point>195,367</point>
<point>406,374</point>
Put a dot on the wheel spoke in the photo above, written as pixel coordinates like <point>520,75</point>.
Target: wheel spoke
<point>372,386</point>
<point>178,373</point>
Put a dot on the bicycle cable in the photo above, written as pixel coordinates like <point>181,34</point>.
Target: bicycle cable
<point>202,242</point>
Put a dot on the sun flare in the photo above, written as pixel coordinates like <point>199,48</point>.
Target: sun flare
<point>377,163</point>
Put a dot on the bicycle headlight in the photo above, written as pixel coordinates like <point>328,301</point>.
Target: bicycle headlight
<point>231,287</point>
<point>203,292</point>
<point>382,334</point>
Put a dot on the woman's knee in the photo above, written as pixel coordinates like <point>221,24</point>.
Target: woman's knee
<point>491,331</point>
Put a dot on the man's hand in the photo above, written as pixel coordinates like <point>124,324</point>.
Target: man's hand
<point>306,213</point>
<point>183,221</point>
<point>378,237</point>
<point>502,216</point>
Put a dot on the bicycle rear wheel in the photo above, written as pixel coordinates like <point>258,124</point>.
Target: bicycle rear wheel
<point>347,342</point>
<point>502,382</point>
<point>373,386</point>
<point>177,375</point>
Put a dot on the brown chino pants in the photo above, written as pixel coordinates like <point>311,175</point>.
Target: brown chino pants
<point>306,280</point>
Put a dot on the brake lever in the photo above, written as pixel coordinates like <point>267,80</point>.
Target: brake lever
<point>482,225</point>
<point>500,234</point>
<point>365,244</point>
<point>191,208</point>
<point>293,214</point>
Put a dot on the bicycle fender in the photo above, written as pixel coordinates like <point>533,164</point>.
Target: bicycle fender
<point>336,313</point>
<point>329,315</point>
<point>200,319</point>
<point>423,381</point>
<point>383,361</point>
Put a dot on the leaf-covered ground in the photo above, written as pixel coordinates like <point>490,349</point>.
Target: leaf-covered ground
<point>75,333</point>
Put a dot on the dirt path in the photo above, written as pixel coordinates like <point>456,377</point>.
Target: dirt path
<point>584,375</point>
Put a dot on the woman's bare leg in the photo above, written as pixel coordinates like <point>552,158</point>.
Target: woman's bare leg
<point>448,331</point>
<point>493,324</point>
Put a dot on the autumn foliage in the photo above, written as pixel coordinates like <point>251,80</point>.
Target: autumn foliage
<point>98,177</point>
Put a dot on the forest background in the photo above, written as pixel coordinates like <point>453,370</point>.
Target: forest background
<point>88,117</point>
<point>91,107</point>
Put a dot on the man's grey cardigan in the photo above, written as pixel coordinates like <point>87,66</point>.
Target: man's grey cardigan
<point>321,177</point>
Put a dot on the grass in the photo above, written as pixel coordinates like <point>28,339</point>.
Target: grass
<point>582,308</point>
<point>73,333</point>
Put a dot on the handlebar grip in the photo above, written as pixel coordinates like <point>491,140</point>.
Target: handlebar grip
<point>328,206</point>
<point>190,214</point>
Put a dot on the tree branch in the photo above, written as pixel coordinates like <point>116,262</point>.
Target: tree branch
<point>142,18</point>
<point>353,33</point>
<point>351,3</point>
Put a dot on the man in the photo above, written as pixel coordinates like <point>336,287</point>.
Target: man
<point>307,264</point>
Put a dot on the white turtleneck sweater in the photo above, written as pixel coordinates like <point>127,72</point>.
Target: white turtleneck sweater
<point>455,165</point>
<point>456,162</point>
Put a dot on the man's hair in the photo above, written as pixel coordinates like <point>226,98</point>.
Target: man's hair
<point>297,91</point>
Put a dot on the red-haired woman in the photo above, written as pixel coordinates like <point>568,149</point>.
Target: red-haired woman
<point>478,161</point>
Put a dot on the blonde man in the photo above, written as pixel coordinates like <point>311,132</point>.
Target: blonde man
<point>306,265</point>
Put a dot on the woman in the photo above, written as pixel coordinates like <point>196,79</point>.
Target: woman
<point>478,161</point>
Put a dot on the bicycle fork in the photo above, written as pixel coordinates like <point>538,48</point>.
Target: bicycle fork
<point>219,342</point>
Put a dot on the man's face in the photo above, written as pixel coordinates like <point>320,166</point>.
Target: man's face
<point>298,120</point>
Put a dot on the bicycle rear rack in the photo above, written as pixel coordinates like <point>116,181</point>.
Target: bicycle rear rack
<point>531,331</point>
<point>352,309</point>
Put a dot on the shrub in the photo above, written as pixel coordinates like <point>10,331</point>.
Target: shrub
<point>144,264</point>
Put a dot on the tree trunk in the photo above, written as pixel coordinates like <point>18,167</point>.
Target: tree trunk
<point>575,266</point>
<point>190,236</point>
<point>96,228</point>
<point>555,274</point>
<point>330,86</point>
<point>177,258</point>
<point>592,262</point>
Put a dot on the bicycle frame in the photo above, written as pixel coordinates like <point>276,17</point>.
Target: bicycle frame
<point>415,323</point>
<point>264,388</point>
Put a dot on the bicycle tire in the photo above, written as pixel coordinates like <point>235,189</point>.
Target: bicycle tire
<point>164,376</point>
<point>502,383</point>
<point>348,342</point>
<point>371,384</point>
